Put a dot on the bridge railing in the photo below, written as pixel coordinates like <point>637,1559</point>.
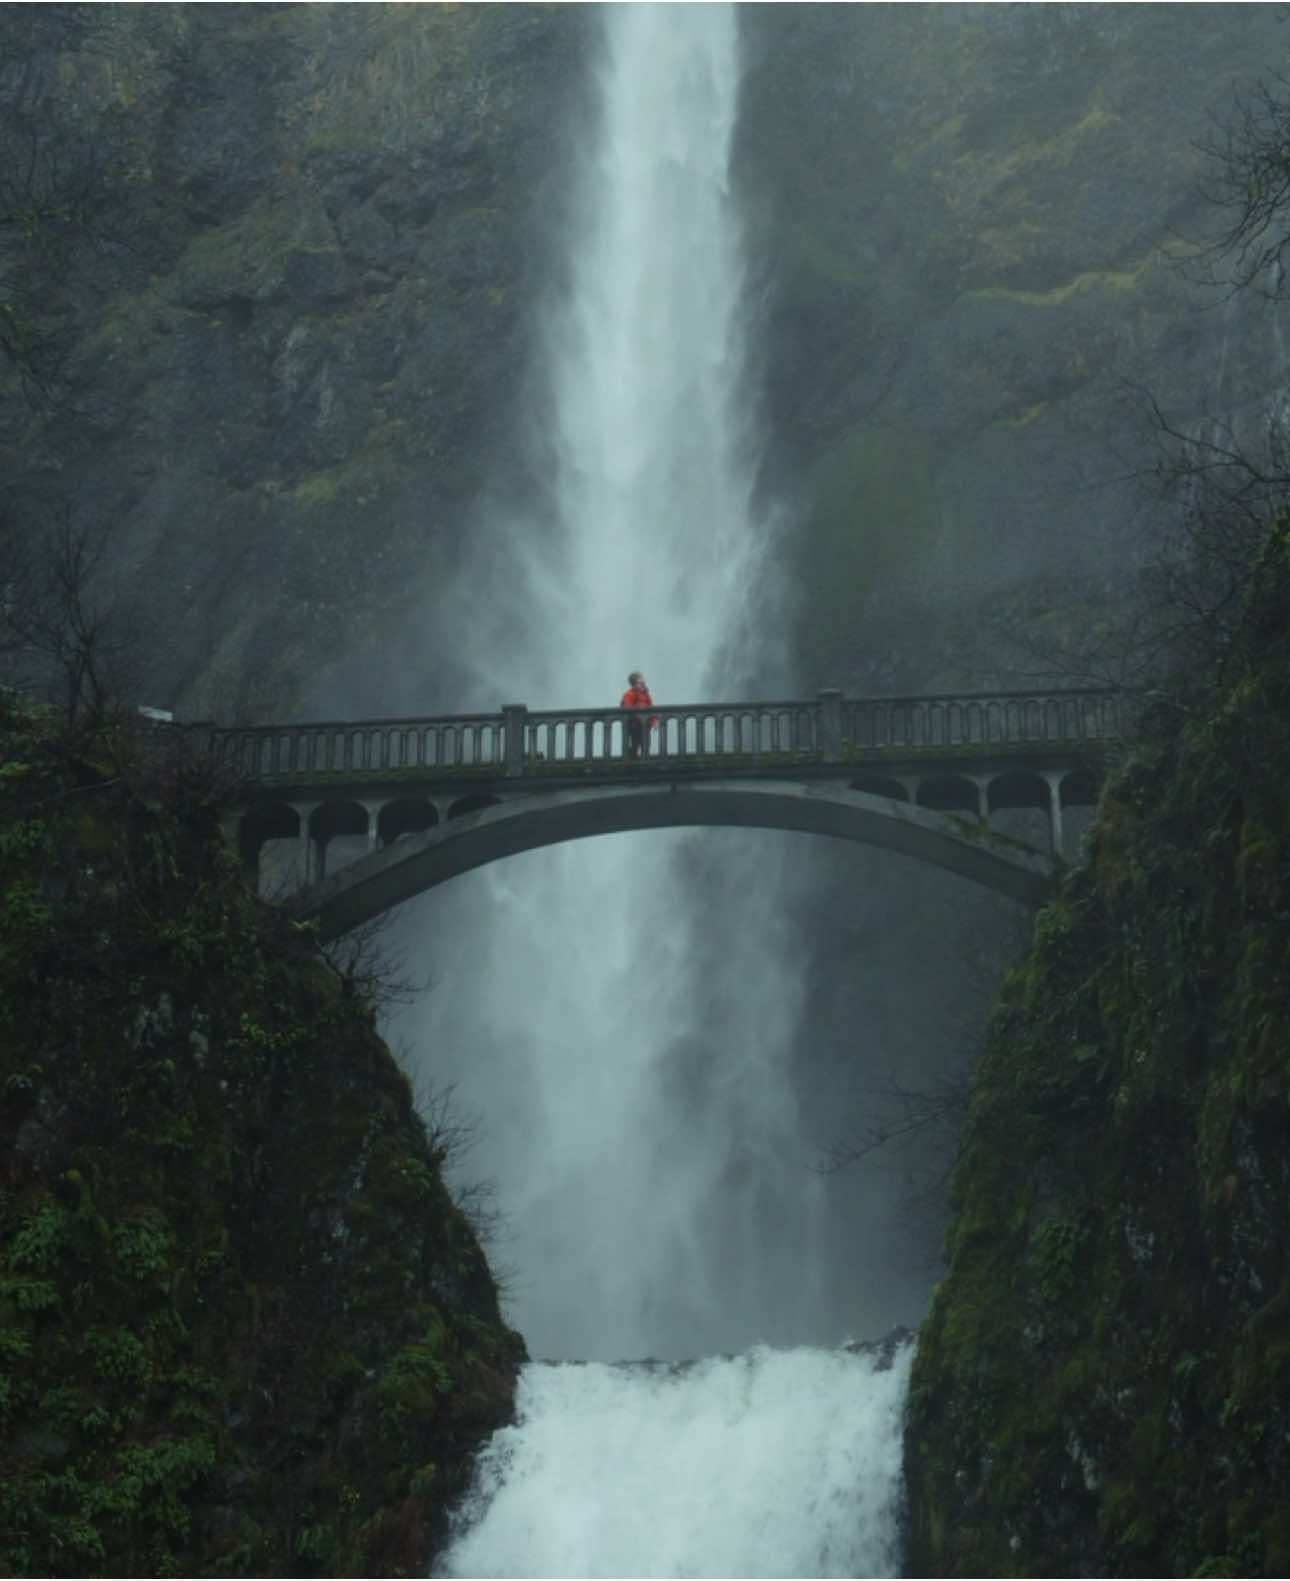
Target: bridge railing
<point>381,746</point>
<point>827,728</point>
<point>1004,719</point>
<point>681,733</point>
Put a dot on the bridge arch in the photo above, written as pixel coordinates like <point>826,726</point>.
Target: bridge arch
<point>331,819</point>
<point>971,782</point>
<point>1079,788</point>
<point>1023,803</point>
<point>468,804</point>
<point>347,821</point>
<point>390,876</point>
<point>880,785</point>
<point>1018,789</point>
<point>407,815</point>
<point>950,793</point>
<point>261,822</point>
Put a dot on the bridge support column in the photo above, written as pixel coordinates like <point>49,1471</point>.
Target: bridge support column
<point>514,716</point>
<point>231,828</point>
<point>830,706</point>
<point>1055,835</point>
<point>309,862</point>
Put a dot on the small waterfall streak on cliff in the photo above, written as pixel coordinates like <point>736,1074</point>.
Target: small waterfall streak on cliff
<point>773,1463</point>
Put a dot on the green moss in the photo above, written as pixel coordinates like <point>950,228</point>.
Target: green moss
<point>359,483</point>
<point>186,1089</point>
<point>876,515</point>
<point>1103,1383</point>
<point>396,75</point>
<point>1111,281</point>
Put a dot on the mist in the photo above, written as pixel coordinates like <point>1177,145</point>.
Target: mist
<point>636,1110</point>
<point>655,1038</point>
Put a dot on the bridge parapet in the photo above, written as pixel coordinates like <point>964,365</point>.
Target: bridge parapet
<point>829,728</point>
<point>1016,719</point>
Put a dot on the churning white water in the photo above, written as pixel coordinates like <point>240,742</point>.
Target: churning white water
<point>773,1463</point>
<point>632,1083</point>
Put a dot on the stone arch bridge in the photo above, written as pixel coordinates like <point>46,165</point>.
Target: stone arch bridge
<point>409,803</point>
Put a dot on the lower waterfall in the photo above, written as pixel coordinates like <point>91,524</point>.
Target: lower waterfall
<point>773,1463</point>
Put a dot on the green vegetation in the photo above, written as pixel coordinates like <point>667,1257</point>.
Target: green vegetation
<point>243,1327</point>
<point>876,517</point>
<point>1103,1384</point>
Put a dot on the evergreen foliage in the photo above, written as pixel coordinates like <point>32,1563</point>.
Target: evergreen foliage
<point>244,1328</point>
<point>1103,1383</point>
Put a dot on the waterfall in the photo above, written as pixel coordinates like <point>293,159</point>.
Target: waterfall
<point>617,1013</point>
<point>774,1463</point>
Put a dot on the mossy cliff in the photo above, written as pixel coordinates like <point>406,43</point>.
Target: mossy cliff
<point>266,263</point>
<point>244,1328</point>
<point>973,220</point>
<point>281,272</point>
<point>1103,1383</point>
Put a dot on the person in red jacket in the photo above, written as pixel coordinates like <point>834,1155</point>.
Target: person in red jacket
<point>636,696</point>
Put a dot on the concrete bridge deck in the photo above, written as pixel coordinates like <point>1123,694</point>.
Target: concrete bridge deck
<point>417,801</point>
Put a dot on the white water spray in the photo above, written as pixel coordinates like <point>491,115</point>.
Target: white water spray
<point>636,1107</point>
<point>775,1463</point>
<point>640,1125</point>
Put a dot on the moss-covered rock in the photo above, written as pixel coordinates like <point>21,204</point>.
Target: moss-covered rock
<point>975,225</point>
<point>244,1328</point>
<point>281,243</point>
<point>1103,1384</point>
<point>876,511</point>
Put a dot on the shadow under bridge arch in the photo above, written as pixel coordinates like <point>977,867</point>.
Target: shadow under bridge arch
<point>523,822</point>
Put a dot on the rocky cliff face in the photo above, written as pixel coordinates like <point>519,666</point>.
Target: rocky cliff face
<point>977,223</point>
<point>272,276</point>
<point>243,1327</point>
<point>270,272</point>
<point>1103,1385</point>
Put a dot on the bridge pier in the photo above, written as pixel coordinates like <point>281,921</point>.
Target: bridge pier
<point>830,705</point>
<point>1055,836</point>
<point>309,860</point>
<point>514,723</point>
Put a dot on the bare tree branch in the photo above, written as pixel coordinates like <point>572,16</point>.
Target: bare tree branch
<point>370,969</point>
<point>65,628</point>
<point>1249,191</point>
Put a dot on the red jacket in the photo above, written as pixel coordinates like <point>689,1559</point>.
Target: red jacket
<point>639,697</point>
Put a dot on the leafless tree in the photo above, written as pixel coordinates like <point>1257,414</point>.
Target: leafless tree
<point>933,1112</point>
<point>371,969</point>
<point>1211,487</point>
<point>1248,189</point>
<point>65,628</point>
<point>921,1125</point>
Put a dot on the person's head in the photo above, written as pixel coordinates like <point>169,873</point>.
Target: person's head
<point>636,679</point>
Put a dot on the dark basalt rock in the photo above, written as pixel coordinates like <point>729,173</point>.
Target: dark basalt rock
<point>244,1327</point>
<point>1103,1384</point>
